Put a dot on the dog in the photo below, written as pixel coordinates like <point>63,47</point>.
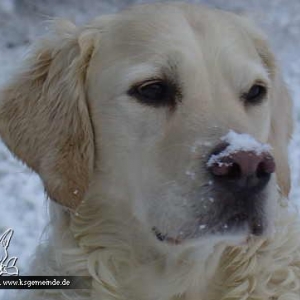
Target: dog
<point>160,134</point>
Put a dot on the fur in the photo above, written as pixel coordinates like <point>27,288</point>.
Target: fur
<point>115,167</point>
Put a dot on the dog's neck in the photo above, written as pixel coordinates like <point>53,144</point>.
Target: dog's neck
<point>122,266</point>
<point>125,262</point>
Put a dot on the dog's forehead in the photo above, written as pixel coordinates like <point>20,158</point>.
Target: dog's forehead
<point>159,31</point>
<point>148,31</point>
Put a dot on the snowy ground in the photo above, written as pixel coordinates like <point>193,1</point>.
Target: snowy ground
<point>23,205</point>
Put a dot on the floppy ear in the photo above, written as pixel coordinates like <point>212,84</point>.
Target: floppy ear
<point>44,114</point>
<point>281,116</point>
<point>280,106</point>
<point>281,131</point>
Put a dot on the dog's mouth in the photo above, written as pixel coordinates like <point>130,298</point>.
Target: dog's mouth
<point>239,222</point>
<point>165,238</point>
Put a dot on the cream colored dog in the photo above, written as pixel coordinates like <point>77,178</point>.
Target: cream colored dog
<point>126,121</point>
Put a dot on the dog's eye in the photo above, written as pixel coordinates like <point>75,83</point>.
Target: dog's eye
<point>255,95</point>
<point>155,93</point>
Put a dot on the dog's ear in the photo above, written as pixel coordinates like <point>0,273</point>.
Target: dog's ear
<point>281,115</point>
<point>44,114</point>
<point>280,106</point>
<point>281,131</point>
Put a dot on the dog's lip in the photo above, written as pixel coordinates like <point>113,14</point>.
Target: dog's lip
<point>165,238</point>
<point>255,223</point>
<point>235,221</point>
<point>237,218</point>
<point>257,226</point>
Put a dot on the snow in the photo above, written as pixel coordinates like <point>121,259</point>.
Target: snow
<point>244,142</point>
<point>202,227</point>
<point>191,174</point>
<point>22,199</point>
<point>238,142</point>
<point>7,6</point>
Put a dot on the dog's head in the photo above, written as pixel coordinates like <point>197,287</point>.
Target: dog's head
<point>134,106</point>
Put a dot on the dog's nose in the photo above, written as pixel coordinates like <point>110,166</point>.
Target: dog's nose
<point>241,170</point>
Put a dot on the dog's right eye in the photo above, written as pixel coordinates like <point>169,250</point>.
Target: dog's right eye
<point>255,95</point>
<point>154,93</point>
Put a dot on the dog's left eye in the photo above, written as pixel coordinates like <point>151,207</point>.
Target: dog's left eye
<point>255,95</point>
<point>154,93</point>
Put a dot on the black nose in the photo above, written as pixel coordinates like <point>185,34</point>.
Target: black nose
<point>241,171</point>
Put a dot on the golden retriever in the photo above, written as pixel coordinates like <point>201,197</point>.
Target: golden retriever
<point>160,134</point>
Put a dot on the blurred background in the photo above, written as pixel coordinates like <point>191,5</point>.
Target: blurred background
<point>23,205</point>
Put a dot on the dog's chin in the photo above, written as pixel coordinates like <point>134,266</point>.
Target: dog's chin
<point>236,231</point>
